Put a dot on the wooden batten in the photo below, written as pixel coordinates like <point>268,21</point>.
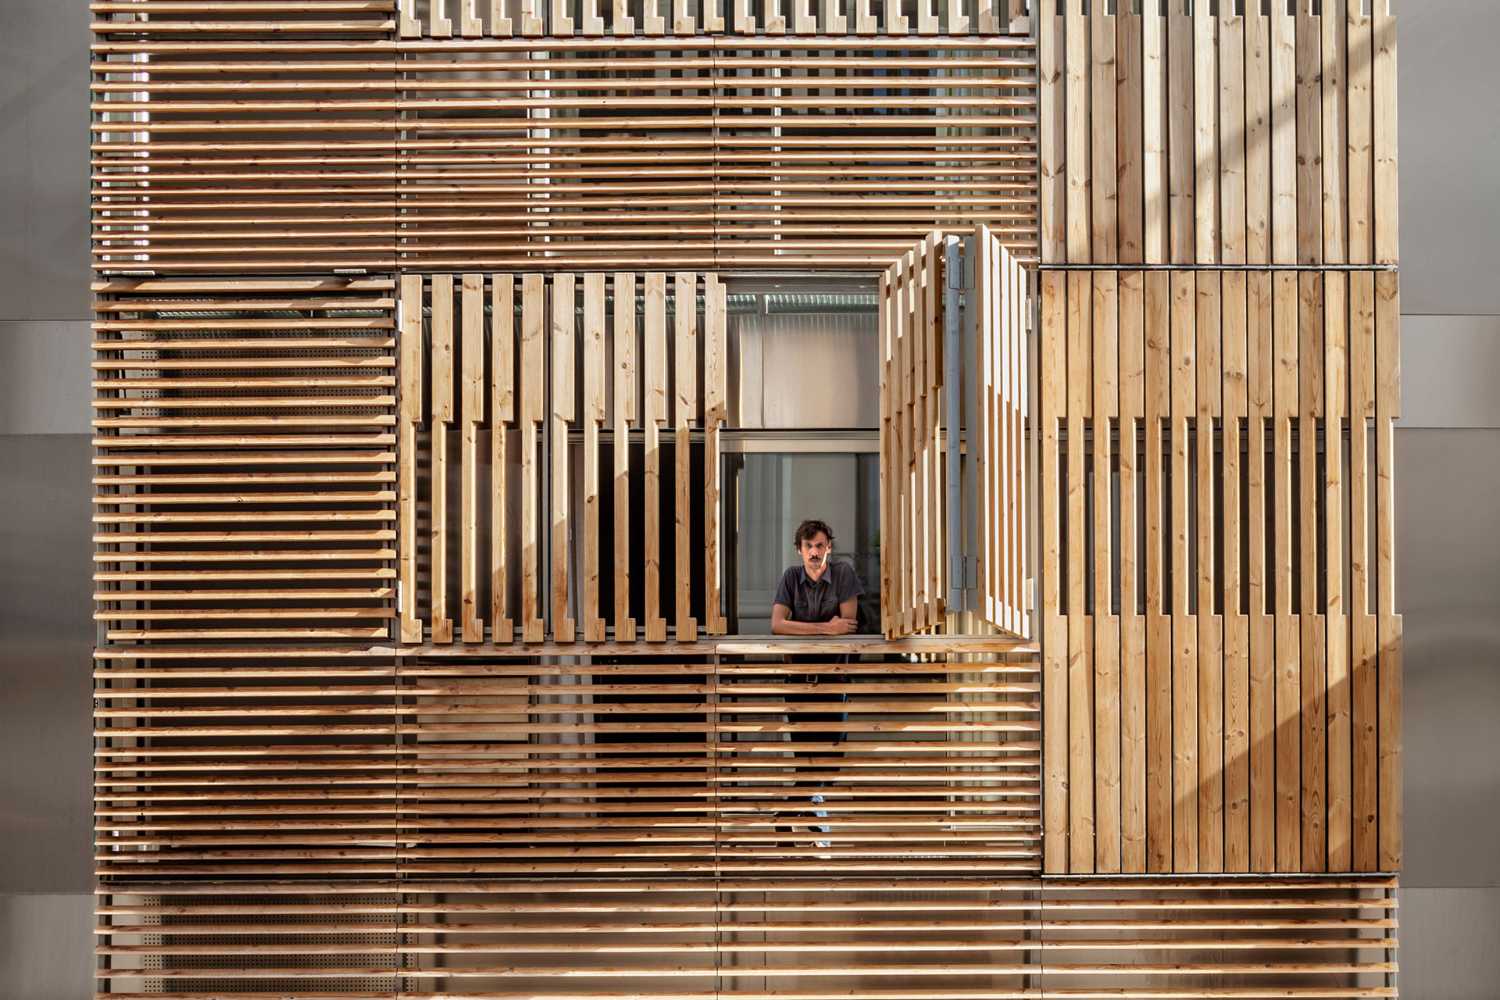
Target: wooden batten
<point>1253,736</point>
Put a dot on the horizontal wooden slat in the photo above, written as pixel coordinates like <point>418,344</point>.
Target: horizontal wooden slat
<point>222,427</point>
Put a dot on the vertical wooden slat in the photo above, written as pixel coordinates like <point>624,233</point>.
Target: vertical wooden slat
<point>1210,666</point>
<point>442,416</point>
<point>531,18</point>
<point>887,325</point>
<point>683,21</point>
<point>406,452</point>
<point>625,411</point>
<point>502,412</point>
<point>1309,46</point>
<point>1051,136</point>
<point>592,358</point>
<point>533,412</point>
<point>1359,67</point>
<point>1159,738</point>
<point>1335,413</point>
<point>905,592</point>
<point>1256,148</point>
<point>470,25</point>
<point>560,564</point>
<point>1387,193</point>
<point>1180,97</point>
<point>1335,127</point>
<point>654,414</point>
<point>1283,136</point>
<point>1387,411</point>
<point>1155,184</point>
<point>715,413</point>
<point>1106,636</point>
<point>988,335</point>
<point>502,26</point>
<point>1053,367</point>
<point>622,23</point>
<point>1314,673</point>
<point>1260,365</point>
<point>1233,128</point>
<point>1288,629</point>
<point>1364,650</point>
<point>560,23</point>
<point>928,379</point>
<point>1205,134</point>
<point>473,415</point>
<point>439,24</point>
<point>685,392</point>
<point>1081,811</point>
<point>1103,170</point>
<point>1184,628</point>
<point>593,22</point>
<point>1128,149</point>
<point>1236,625</point>
<point>927,18</point>
<point>410,24</point>
<point>1132,379</point>
<point>1076,132</point>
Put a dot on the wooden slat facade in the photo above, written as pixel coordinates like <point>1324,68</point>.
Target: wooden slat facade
<point>1225,135</point>
<point>675,18</point>
<point>311,138</point>
<point>1002,938</point>
<point>369,762</point>
<point>1261,694</point>
<point>505,391</point>
<point>980,291</point>
<point>385,702</point>
<point>244,459</point>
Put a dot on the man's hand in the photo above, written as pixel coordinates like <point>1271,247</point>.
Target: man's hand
<point>838,626</point>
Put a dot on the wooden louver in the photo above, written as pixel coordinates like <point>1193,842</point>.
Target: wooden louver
<point>514,366</point>
<point>1228,438</point>
<point>245,452</point>
<point>953,478</point>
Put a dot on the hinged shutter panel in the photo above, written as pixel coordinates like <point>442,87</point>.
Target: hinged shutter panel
<point>953,355</point>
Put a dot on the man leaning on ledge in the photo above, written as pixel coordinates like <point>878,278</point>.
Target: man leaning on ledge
<point>817,596</point>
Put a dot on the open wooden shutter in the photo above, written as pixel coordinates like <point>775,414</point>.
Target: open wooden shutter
<point>953,356</point>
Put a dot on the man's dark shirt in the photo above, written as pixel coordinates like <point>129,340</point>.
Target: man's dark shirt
<point>817,600</point>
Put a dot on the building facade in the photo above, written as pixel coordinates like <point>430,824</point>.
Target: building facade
<point>461,368</point>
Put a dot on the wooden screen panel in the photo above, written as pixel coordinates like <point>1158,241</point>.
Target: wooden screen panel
<point>919,517</point>
<point>227,763</point>
<point>593,18</point>
<point>1014,939</point>
<point>1218,138</point>
<point>1259,678</point>
<point>477,937</point>
<point>244,452</point>
<point>506,387</point>
<point>641,153</point>
<point>1246,937</point>
<point>242,137</point>
<point>862,763</point>
<point>665,764</point>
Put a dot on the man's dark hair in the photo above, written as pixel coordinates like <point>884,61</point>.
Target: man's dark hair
<point>810,529</point>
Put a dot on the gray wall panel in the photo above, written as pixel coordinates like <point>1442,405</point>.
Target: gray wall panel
<point>1448,369</point>
<point>1450,157</point>
<point>46,635</point>
<point>1448,589</point>
<point>46,946</point>
<point>44,166</point>
<point>1448,941</point>
<point>44,376</point>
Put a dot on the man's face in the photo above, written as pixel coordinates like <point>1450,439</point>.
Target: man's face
<point>814,552</point>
